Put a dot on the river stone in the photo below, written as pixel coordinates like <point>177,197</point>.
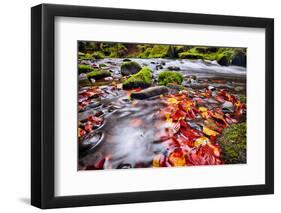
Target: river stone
<point>130,68</point>
<point>175,68</point>
<point>227,107</point>
<point>150,92</point>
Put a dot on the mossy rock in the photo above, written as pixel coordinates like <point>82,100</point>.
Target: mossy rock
<point>83,82</point>
<point>102,65</point>
<point>82,68</point>
<point>233,143</point>
<point>83,56</point>
<point>168,77</point>
<point>188,55</point>
<point>142,79</point>
<point>98,74</point>
<point>223,56</point>
<point>130,67</point>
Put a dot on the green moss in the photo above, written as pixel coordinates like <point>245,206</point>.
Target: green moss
<point>243,98</point>
<point>118,50</point>
<point>168,77</point>
<point>98,74</point>
<point>102,65</point>
<point>233,143</point>
<point>159,51</point>
<point>188,55</point>
<point>142,79</point>
<point>223,56</point>
<point>86,56</point>
<point>98,55</point>
<point>82,68</point>
<point>145,53</point>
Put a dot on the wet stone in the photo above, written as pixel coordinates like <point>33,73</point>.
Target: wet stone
<point>150,92</point>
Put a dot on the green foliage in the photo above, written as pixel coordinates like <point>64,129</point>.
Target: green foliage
<point>145,53</point>
<point>84,56</point>
<point>233,143</point>
<point>82,68</point>
<point>167,77</point>
<point>98,55</point>
<point>98,74</point>
<point>159,51</point>
<point>142,79</point>
<point>118,51</point>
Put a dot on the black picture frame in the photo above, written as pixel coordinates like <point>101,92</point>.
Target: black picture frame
<point>43,102</point>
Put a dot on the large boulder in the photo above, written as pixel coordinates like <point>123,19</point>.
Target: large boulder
<point>142,79</point>
<point>150,92</point>
<point>130,68</point>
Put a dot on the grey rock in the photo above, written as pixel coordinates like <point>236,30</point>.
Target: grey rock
<point>175,68</point>
<point>150,92</point>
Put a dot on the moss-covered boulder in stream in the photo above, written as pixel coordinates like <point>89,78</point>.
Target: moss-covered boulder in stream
<point>168,77</point>
<point>142,79</point>
<point>98,74</point>
<point>83,68</point>
<point>130,67</point>
<point>233,143</point>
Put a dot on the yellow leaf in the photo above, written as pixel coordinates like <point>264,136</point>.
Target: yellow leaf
<point>202,109</point>
<point>209,132</point>
<point>201,141</point>
<point>172,101</point>
<point>205,115</point>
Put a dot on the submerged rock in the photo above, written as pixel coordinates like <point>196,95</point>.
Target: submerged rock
<point>227,107</point>
<point>175,68</point>
<point>150,92</point>
<point>90,141</point>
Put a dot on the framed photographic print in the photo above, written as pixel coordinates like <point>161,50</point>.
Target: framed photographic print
<point>141,106</point>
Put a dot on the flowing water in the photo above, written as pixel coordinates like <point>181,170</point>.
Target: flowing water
<point>130,133</point>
